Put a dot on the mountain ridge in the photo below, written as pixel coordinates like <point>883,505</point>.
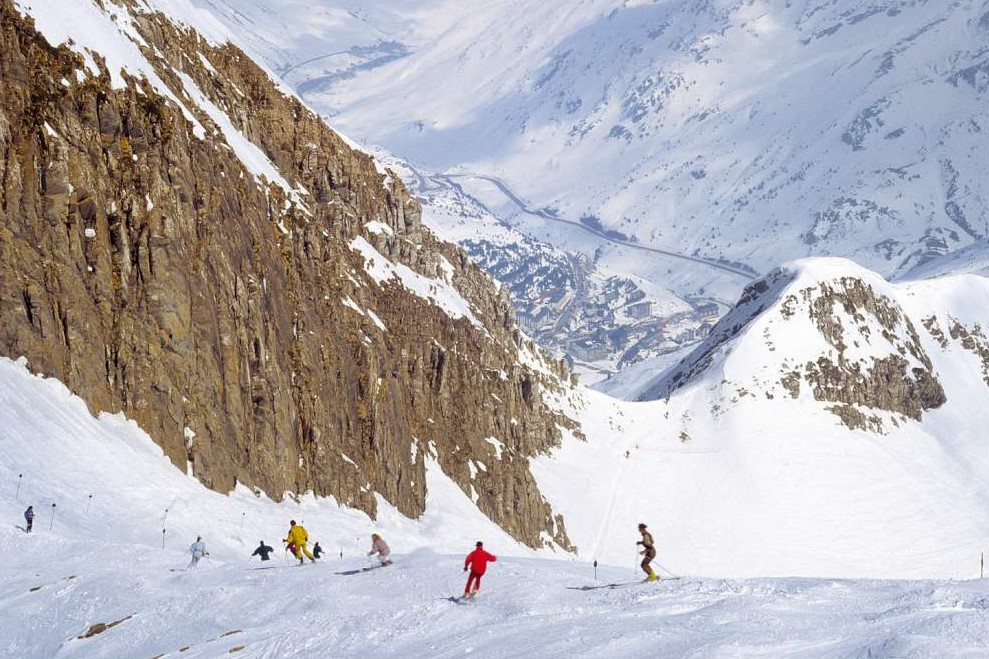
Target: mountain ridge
<point>746,133</point>
<point>186,243</point>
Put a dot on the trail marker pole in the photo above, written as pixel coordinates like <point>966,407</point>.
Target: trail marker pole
<point>17,497</point>
<point>163,538</point>
<point>595,569</point>
<point>242,519</point>
<point>982,565</point>
<point>89,502</point>
<point>52,523</point>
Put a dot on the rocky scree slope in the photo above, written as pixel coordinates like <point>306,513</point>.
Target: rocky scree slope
<point>144,265</point>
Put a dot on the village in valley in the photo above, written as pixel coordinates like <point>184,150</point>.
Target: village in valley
<point>606,323</point>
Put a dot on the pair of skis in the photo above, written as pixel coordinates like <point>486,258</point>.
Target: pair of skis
<point>463,599</point>
<point>366,569</point>
<point>622,584</point>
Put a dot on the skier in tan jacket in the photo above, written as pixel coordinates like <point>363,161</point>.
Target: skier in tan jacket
<point>649,551</point>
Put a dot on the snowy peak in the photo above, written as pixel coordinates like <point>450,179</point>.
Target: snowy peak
<point>827,332</point>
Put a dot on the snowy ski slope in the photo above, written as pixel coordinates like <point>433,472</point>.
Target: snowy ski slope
<point>102,561</point>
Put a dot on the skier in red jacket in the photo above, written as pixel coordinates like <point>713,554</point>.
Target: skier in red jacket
<point>477,561</point>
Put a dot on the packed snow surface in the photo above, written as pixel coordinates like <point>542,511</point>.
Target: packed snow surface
<point>97,556</point>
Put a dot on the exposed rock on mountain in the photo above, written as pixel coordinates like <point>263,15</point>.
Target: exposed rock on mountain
<point>195,248</point>
<point>849,342</point>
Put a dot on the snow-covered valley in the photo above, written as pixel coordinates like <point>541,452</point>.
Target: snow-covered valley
<point>736,133</point>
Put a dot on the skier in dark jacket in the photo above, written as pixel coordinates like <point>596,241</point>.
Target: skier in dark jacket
<point>317,551</point>
<point>477,561</point>
<point>649,551</point>
<point>263,550</point>
<point>29,518</point>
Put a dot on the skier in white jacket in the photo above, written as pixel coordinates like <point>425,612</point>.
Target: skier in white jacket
<point>198,550</point>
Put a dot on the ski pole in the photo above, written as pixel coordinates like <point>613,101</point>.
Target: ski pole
<point>89,502</point>
<point>595,569</point>
<point>163,538</point>
<point>17,497</point>
<point>52,523</point>
<point>667,571</point>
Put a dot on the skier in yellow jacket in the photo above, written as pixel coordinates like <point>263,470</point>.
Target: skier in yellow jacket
<point>298,537</point>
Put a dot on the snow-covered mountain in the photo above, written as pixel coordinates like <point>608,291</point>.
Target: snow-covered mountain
<point>262,303</point>
<point>640,135</point>
<point>738,487</point>
<point>831,425</point>
<point>812,380</point>
<point>827,423</point>
<point>185,242</point>
<point>752,132</point>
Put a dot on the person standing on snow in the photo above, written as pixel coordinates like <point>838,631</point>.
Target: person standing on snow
<point>198,550</point>
<point>379,547</point>
<point>263,550</point>
<point>29,518</point>
<point>298,536</point>
<point>317,551</point>
<point>477,561</point>
<point>649,551</point>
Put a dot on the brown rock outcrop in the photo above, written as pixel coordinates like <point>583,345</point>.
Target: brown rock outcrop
<point>846,312</point>
<point>146,268</point>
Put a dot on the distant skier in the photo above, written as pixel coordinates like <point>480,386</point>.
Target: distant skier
<point>477,561</point>
<point>380,547</point>
<point>317,551</point>
<point>263,550</point>
<point>198,550</point>
<point>298,536</point>
<point>29,518</point>
<point>649,551</point>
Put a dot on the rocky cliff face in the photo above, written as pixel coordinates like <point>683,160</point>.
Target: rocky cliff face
<point>147,264</point>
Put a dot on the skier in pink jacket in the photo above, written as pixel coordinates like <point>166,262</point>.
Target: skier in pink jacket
<point>380,547</point>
